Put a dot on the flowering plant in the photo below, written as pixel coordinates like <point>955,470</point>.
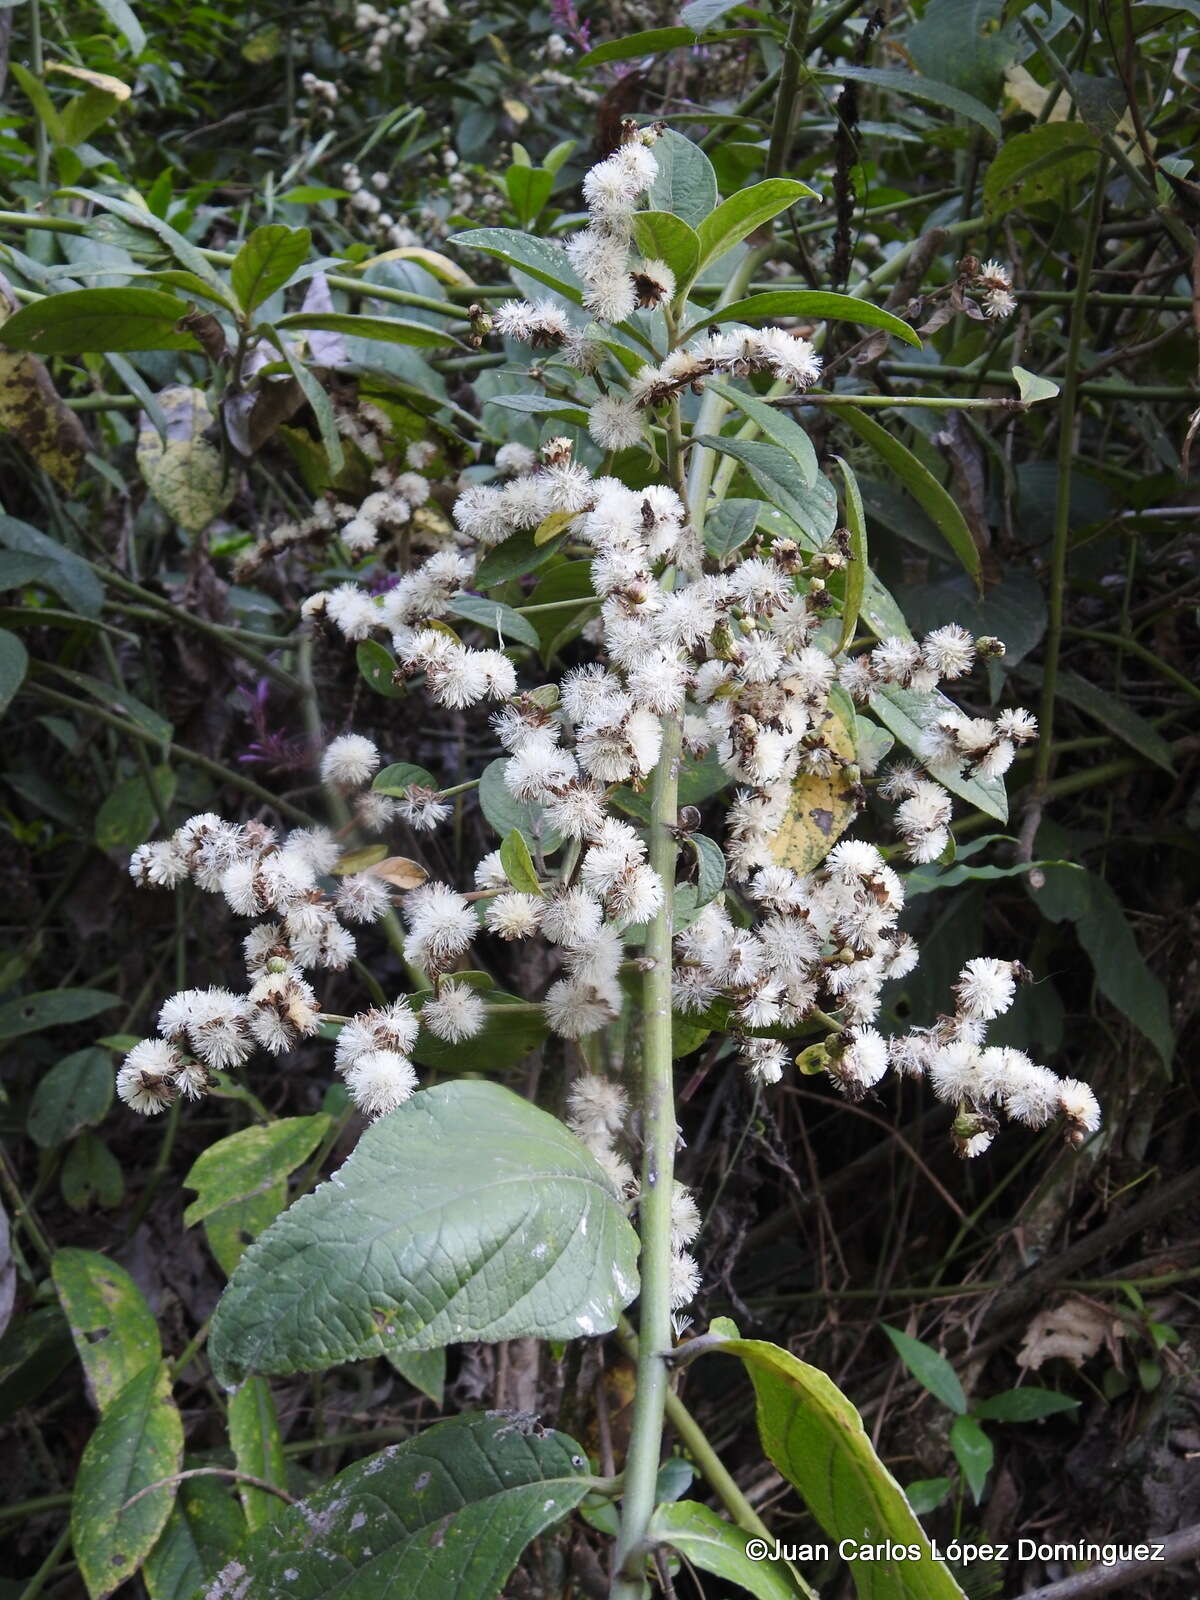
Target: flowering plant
<point>732,655</point>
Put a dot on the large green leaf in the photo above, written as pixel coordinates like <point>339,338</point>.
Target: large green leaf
<point>83,321</point>
<point>502,619</point>
<point>138,1442</point>
<point>817,304</point>
<point>923,486</point>
<point>113,1328</point>
<point>1033,168</point>
<point>505,812</point>
<point>51,1008</point>
<point>266,261</point>
<point>744,211</point>
<point>1068,893</point>
<point>251,1161</point>
<point>388,330</point>
<point>663,237</point>
<point>443,1516</point>
<point>907,713</point>
<point>709,1542</point>
<point>816,1439</point>
<point>652,42</point>
<point>542,1245</point>
<point>812,508</point>
<point>1117,716</point>
<point>14,659</point>
<point>74,1094</point>
<point>781,429</point>
<point>512,1030</point>
<point>536,258</point>
<point>257,1450</point>
<point>918,87</point>
<point>686,184</point>
<point>202,1534</point>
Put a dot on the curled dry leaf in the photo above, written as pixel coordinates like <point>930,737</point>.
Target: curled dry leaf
<point>401,872</point>
<point>32,410</point>
<point>1074,1330</point>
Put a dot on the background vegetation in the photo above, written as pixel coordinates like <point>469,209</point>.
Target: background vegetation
<point>155,666</point>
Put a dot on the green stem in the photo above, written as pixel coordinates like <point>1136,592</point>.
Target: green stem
<point>37,67</point>
<point>1062,497</point>
<point>795,48</point>
<point>657,1182</point>
<point>43,1574</point>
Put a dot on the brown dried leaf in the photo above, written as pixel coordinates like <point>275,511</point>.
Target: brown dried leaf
<point>1074,1330</point>
<point>820,810</point>
<point>400,872</point>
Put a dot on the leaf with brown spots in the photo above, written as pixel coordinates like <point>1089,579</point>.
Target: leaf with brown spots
<point>820,809</point>
<point>32,410</point>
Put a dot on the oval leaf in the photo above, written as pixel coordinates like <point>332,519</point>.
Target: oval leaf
<point>388,330</point>
<point>251,1161</point>
<point>446,1513</point>
<point>74,1094</point>
<point>266,261</point>
<point>744,211</point>
<point>818,304</point>
<point>85,320</point>
<point>113,1328</point>
<point>542,1244</point>
<point>139,1440</point>
<point>709,1542</point>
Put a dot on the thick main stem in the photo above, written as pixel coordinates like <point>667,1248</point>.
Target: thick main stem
<point>654,1206</point>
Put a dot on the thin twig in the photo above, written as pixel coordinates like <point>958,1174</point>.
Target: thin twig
<point>208,1472</point>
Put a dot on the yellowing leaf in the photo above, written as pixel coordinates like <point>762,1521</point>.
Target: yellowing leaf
<point>184,472</point>
<point>820,810</point>
<point>553,526</point>
<point>371,855</point>
<point>33,412</point>
<point>432,260</point>
<point>517,110</point>
<point>98,80</point>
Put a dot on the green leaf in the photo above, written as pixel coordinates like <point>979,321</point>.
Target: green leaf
<point>653,42</point>
<point>1117,716</point>
<point>124,19</point>
<point>528,189</point>
<point>540,405</point>
<point>923,486</point>
<point>425,1370</point>
<point>14,660</point>
<point>505,812</point>
<point>127,814</point>
<point>266,261</point>
<point>81,321</point>
<point>51,1008</point>
<point>918,88</point>
<point>139,1440</point>
<point>710,868</point>
<point>400,777</point>
<point>685,184</point>
<point>926,1494</point>
<point>974,1453</point>
<point>660,236</point>
<point>1035,167</point>
<point>518,863</point>
<point>513,559</point>
<point>387,330</point>
<point>1104,932</point>
<point>537,258</point>
<point>91,1174</point>
<point>781,429</point>
<point>856,575</point>
<point>249,1161</point>
<point>810,304</point>
<point>729,525</point>
<point>1024,1405</point>
<point>542,1244</point>
<point>707,1541</point>
<point>377,666</point>
<point>513,1030</point>
<point>257,1451</point>
<point>39,97</point>
<point>117,699</point>
<point>745,211</point>
<point>113,1328</point>
<point>444,1514</point>
<point>314,393</point>
<point>72,579</point>
<point>812,508</point>
<point>930,1369</point>
<point>502,619</point>
<point>203,1533</point>
<point>74,1094</point>
<point>1033,389</point>
<point>907,713</point>
<point>816,1439</point>
<point>232,1228</point>
<point>138,216</point>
